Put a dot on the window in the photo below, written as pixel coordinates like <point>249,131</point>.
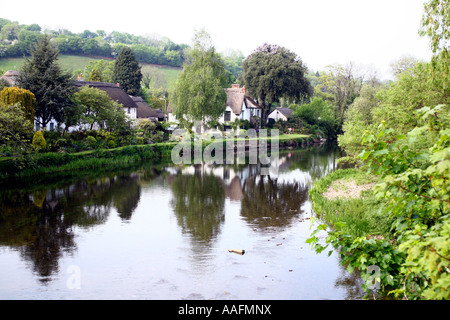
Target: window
<point>52,126</point>
<point>227,116</point>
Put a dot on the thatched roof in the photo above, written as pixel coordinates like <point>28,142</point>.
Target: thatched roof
<point>236,96</point>
<point>10,76</point>
<point>144,111</point>
<point>251,104</point>
<point>114,92</point>
<point>235,99</point>
<point>287,112</point>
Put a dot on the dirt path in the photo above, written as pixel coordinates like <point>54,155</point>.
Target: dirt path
<point>346,189</point>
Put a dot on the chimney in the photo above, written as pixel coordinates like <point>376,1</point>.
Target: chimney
<point>235,86</point>
<point>244,90</point>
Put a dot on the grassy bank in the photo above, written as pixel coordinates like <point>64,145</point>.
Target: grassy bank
<point>43,163</point>
<point>56,162</point>
<point>335,200</point>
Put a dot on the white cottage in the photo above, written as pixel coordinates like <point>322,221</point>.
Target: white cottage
<point>239,106</point>
<point>282,114</point>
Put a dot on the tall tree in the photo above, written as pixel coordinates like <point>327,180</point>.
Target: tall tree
<point>53,88</point>
<point>272,72</point>
<point>340,85</point>
<point>436,25</point>
<point>200,88</point>
<point>127,72</point>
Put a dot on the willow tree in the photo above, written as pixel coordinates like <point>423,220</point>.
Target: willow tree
<point>200,88</point>
<point>22,97</point>
<point>272,72</point>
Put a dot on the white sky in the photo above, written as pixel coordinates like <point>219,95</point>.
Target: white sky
<point>322,32</point>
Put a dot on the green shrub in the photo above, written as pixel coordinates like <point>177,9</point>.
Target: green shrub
<point>38,142</point>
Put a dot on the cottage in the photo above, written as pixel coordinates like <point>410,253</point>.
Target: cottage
<point>144,111</point>
<point>282,114</point>
<point>10,77</point>
<point>115,93</point>
<point>239,106</point>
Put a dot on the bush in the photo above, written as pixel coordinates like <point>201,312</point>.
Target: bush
<point>38,142</point>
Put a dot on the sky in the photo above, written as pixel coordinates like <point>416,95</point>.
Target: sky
<point>371,34</point>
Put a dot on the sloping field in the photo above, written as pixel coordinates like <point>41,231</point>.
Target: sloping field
<point>77,63</point>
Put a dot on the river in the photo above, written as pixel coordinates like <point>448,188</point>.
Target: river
<point>164,232</point>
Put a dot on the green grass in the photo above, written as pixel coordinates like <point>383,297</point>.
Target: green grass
<point>360,215</point>
<point>68,62</point>
<point>73,63</point>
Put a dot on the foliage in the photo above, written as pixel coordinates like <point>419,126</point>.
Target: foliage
<point>415,192</point>
<point>272,72</point>
<point>416,171</point>
<point>95,76</point>
<point>436,25</point>
<point>20,38</point>
<point>339,85</point>
<point>22,97</point>
<point>317,112</point>
<point>199,90</point>
<point>100,70</point>
<point>15,129</point>
<point>127,72</point>
<point>415,87</point>
<point>52,88</point>
<point>39,143</point>
<point>97,108</point>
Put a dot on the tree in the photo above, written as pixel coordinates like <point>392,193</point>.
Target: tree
<point>22,97</point>
<point>403,64</point>
<point>272,72</point>
<point>200,88</point>
<point>105,69</point>
<point>15,129</point>
<point>98,108</point>
<point>53,88</point>
<point>127,72</point>
<point>436,25</point>
<point>95,76</point>
<point>340,85</point>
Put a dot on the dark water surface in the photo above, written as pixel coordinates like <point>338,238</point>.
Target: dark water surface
<point>163,232</point>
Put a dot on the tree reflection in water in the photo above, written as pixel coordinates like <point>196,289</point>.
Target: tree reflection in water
<point>269,203</point>
<point>198,203</point>
<point>39,224</point>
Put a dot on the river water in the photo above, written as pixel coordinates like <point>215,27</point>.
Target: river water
<point>164,232</point>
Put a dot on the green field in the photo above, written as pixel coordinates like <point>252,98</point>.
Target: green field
<point>77,63</point>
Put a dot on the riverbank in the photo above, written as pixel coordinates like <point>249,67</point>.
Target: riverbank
<point>58,162</point>
<point>346,204</point>
<point>347,196</point>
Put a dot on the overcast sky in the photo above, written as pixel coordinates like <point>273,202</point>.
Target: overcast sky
<point>322,32</point>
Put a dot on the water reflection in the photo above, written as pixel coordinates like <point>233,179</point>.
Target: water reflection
<point>42,223</point>
<point>198,202</point>
<point>269,203</point>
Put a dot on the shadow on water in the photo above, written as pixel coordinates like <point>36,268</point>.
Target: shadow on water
<point>41,221</point>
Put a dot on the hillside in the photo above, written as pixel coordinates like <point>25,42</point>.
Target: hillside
<point>76,64</point>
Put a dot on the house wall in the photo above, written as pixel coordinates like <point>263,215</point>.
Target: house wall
<point>276,115</point>
<point>131,112</point>
<point>53,124</point>
<point>233,116</point>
